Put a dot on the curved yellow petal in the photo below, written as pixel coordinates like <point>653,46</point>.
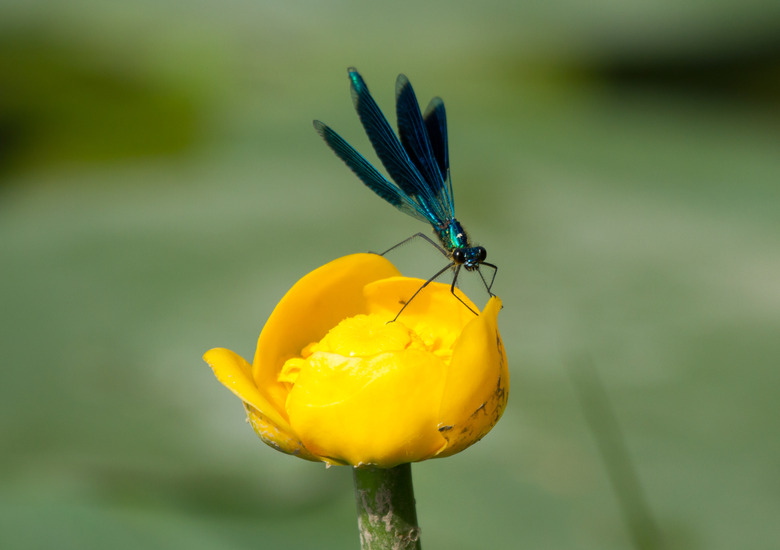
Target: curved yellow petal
<point>434,304</point>
<point>314,305</point>
<point>379,411</point>
<point>236,374</point>
<point>477,385</point>
<point>272,436</point>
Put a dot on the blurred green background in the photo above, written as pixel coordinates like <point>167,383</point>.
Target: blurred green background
<point>161,187</point>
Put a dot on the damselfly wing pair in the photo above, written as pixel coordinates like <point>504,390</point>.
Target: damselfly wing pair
<point>418,165</point>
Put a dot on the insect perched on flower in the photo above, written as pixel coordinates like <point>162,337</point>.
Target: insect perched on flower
<point>418,163</point>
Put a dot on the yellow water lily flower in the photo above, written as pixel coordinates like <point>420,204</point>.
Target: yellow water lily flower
<point>333,381</point>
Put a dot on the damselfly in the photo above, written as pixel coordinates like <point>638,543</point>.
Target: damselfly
<point>418,163</point>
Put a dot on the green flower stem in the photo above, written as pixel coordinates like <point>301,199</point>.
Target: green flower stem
<point>387,517</point>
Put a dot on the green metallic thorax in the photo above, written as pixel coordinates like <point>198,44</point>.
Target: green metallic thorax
<point>452,235</point>
<point>455,240</point>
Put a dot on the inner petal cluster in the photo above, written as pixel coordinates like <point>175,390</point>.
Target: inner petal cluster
<point>368,388</point>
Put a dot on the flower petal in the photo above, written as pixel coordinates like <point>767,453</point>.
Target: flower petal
<point>379,411</point>
<point>276,438</point>
<point>236,374</point>
<point>477,384</point>
<point>434,309</point>
<point>315,304</point>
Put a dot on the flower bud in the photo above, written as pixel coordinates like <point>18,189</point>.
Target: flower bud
<point>333,380</point>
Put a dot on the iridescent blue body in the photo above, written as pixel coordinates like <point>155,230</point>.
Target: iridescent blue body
<point>418,164</point>
<point>456,241</point>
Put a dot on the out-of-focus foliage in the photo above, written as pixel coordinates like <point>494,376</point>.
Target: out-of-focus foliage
<point>64,104</point>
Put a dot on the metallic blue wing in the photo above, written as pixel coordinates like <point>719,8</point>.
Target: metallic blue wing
<point>394,156</point>
<point>368,174</point>
<point>436,123</point>
<point>417,143</point>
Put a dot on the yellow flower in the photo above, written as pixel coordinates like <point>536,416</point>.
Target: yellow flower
<point>333,381</point>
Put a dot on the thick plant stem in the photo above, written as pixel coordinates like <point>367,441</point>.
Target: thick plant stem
<point>387,517</point>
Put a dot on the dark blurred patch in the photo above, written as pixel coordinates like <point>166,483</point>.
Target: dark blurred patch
<point>746,70</point>
<point>723,68</point>
<point>65,103</point>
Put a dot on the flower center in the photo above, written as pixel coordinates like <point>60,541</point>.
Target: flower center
<point>362,336</point>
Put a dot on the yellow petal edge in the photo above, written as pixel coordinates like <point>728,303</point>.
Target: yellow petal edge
<point>477,387</point>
